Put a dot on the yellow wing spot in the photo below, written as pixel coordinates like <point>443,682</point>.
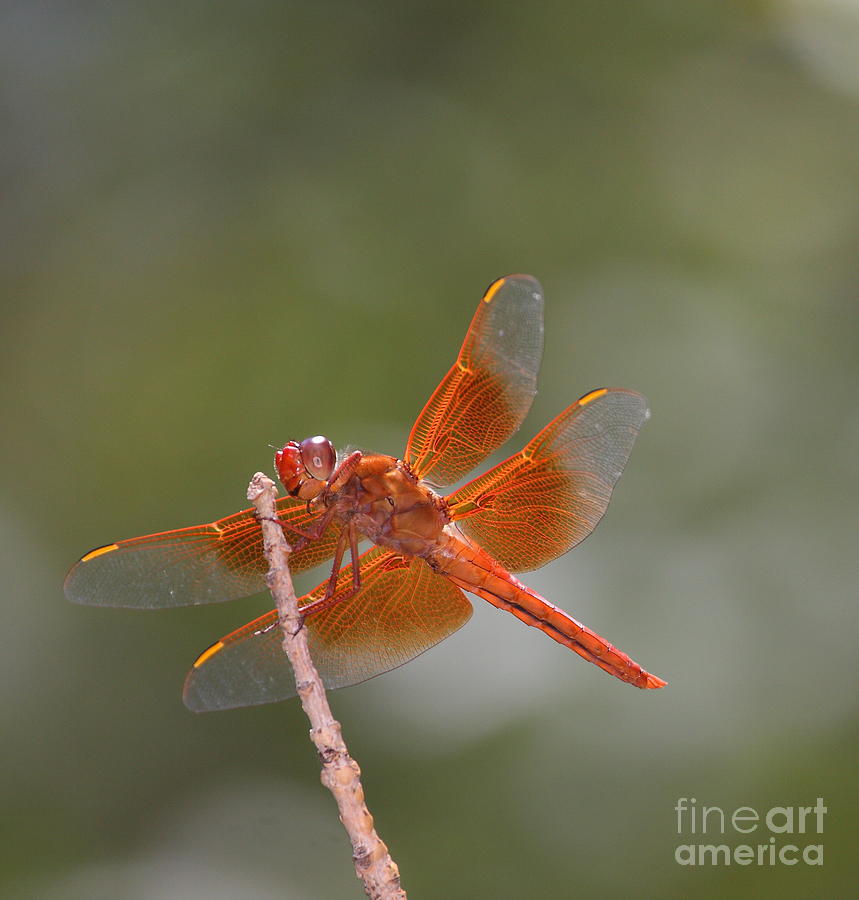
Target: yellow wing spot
<point>99,551</point>
<point>208,653</point>
<point>493,289</point>
<point>593,395</point>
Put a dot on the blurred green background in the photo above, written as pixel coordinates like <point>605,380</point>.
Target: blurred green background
<point>227,225</point>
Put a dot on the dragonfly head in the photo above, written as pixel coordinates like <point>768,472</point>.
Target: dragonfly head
<point>304,467</point>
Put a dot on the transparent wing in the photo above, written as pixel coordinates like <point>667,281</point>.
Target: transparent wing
<point>210,563</point>
<point>488,391</point>
<point>402,609</point>
<point>543,501</point>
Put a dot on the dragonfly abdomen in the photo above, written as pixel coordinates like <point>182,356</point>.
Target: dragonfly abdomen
<point>476,571</point>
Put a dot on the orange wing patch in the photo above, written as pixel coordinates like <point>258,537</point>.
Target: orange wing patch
<point>543,501</point>
<point>486,394</point>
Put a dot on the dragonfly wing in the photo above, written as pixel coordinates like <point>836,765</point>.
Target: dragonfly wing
<point>487,393</point>
<point>402,609</point>
<point>210,563</point>
<point>543,501</point>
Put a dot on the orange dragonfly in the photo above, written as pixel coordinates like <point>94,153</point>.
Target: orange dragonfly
<point>405,594</point>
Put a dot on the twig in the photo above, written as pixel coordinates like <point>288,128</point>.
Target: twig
<point>340,773</point>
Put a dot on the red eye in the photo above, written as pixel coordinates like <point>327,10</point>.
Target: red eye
<point>290,467</point>
<point>318,456</point>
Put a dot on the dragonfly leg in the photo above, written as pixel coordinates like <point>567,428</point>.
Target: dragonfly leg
<point>343,472</point>
<point>331,597</point>
<point>356,566</point>
<point>306,535</point>
<point>342,541</point>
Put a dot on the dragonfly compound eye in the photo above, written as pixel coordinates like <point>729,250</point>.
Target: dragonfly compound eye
<point>318,456</point>
<point>290,467</point>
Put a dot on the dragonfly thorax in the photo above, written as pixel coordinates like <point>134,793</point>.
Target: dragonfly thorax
<point>392,507</point>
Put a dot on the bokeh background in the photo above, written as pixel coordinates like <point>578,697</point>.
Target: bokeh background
<point>226,225</point>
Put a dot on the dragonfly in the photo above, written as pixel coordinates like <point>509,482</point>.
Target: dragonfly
<point>406,593</point>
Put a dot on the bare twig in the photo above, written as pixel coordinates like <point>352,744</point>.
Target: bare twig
<point>340,773</point>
